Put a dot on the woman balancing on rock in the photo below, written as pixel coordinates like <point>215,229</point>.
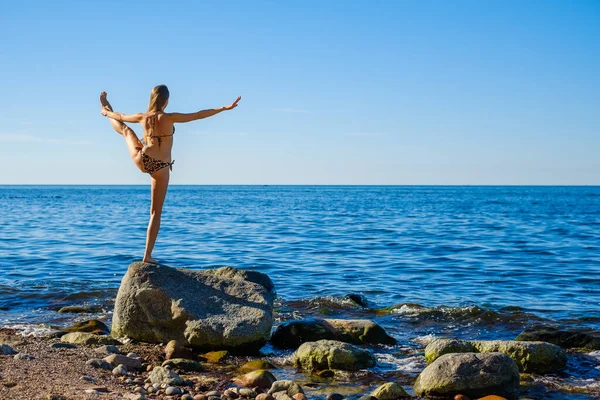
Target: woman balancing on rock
<point>154,157</point>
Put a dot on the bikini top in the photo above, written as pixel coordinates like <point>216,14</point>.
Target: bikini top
<point>153,121</point>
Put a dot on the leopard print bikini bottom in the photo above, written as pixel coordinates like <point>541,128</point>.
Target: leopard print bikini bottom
<point>151,165</point>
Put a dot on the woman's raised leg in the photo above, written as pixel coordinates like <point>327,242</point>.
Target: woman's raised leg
<point>159,185</point>
<point>133,142</point>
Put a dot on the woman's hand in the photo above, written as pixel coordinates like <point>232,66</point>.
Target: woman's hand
<point>104,111</point>
<point>232,105</point>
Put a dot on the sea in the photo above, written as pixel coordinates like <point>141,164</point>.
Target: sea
<point>471,262</point>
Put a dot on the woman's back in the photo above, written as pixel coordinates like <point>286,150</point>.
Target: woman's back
<point>158,134</point>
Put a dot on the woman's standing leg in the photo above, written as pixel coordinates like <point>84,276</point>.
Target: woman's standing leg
<point>133,142</point>
<point>159,185</point>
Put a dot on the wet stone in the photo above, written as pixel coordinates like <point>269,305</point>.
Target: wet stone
<point>63,346</point>
<point>334,396</point>
<point>171,390</point>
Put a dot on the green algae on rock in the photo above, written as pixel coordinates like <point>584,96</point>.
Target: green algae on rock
<point>537,357</point>
<point>332,354</point>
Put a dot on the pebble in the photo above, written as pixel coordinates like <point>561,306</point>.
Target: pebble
<point>119,370</point>
<point>264,396</point>
<point>98,363</point>
<point>200,397</point>
<point>231,394</point>
<point>187,397</point>
<point>171,390</point>
<point>87,379</point>
<point>133,355</point>
<point>108,349</point>
<point>140,389</point>
<point>299,396</point>
<point>214,398</point>
<point>245,392</point>
<point>213,393</point>
<point>23,356</point>
<point>63,346</point>
<point>334,396</point>
<point>152,389</point>
<point>91,391</point>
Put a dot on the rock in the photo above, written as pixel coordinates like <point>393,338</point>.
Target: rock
<point>174,349</point>
<point>91,326</point>
<point>357,299</point>
<point>248,393</point>
<point>97,363</point>
<point>87,379</point>
<point>187,397</point>
<point>561,337</point>
<point>360,331</point>
<point>6,350</point>
<point>264,396</point>
<point>256,364</point>
<point>183,364</point>
<point>261,378</point>
<point>200,397</point>
<point>218,309</point>
<point>472,374</point>
<point>119,370</point>
<point>87,339</point>
<point>439,347</point>
<point>215,356</point>
<point>162,375</point>
<point>133,355</point>
<point>331,354</point>
<point>213,393</point>
<point>230,394</point>
<point>108,349</point>
<point>80,309</point>
<point>285,387</point>
<point>532,357</point>
<point>63,346</point>
<point>292,334</point>
<point>127,362</point>
<point>299,396</point>
<point>334,396</point>
<point>23,356</point>
<point>171,390</point>
<point>389,391</point>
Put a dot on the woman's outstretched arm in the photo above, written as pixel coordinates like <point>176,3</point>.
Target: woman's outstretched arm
<point>179,117</point>
<point>122,117</point>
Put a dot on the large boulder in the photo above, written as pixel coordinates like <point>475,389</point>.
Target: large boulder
<point>532,357</point>
<point>561,337</point>
<point>220,309</point>
<point>472,374</point>
<point>292,334</point>
<point>331,354</point>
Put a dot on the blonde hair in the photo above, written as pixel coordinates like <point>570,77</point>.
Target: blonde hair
<point>158,100</point>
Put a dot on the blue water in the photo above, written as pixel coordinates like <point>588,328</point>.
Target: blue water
<point>472,262</point>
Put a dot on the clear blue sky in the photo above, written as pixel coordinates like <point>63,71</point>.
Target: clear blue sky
<point>333,92</point>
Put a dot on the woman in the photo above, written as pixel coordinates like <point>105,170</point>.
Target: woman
<point>154,157</point>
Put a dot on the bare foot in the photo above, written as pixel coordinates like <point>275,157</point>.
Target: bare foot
<point>104,102</point>
<point>149,260</point>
